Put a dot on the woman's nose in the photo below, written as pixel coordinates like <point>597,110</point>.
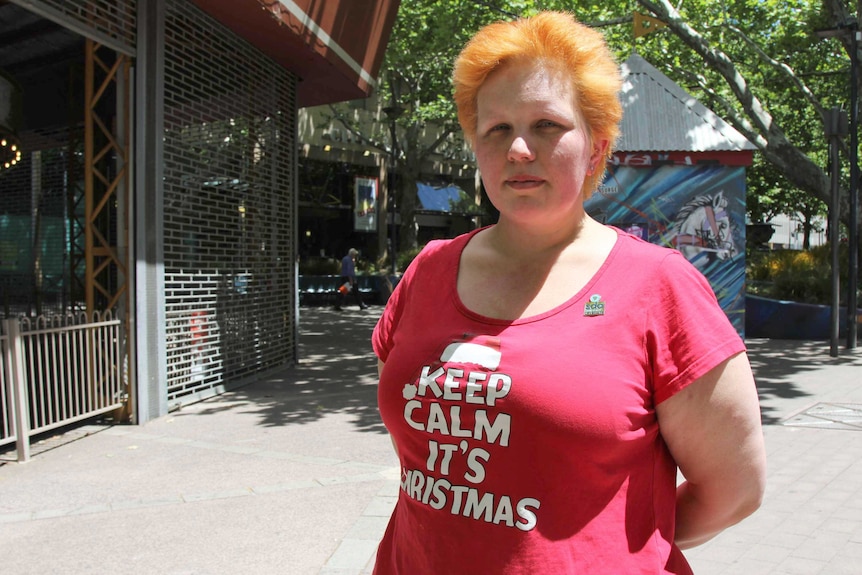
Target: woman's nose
<point>519,150</point>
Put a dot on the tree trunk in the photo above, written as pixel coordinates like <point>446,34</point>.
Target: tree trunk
<point>806,233</point>
<point>407,205</point>
<point>408,198</point>
<point>759,127</point>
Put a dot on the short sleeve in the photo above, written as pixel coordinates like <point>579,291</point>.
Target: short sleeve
<point>687,332</point>
<point>424,270</point>
<point>384,332</point>
<point>381,337</point>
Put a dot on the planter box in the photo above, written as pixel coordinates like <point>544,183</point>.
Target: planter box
<point>780,319</point>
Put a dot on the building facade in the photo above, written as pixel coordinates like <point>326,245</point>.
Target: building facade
<point>157,179</point>
<point>347,147</point>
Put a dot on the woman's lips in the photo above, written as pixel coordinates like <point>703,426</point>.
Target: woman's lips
<point>524,182</point>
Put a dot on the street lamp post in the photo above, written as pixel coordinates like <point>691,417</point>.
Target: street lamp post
<point>851,29</point>
<point>393,113</point>
<point>853,272</point>
<point>836,130</point>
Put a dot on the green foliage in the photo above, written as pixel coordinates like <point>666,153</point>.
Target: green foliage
<point>773,47</point>
<point>365,267</point>
<point>406,257</point>
<point>801,276</point>
<point>770,42</point>
<point>426,38</point>
<point>779,29</point>
<point>316,266</point>
<point>769,195</point>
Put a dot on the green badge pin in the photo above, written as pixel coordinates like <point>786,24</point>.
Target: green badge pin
<point>595,306</point>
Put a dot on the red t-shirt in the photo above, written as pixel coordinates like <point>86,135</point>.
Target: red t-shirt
<point>532,446</point>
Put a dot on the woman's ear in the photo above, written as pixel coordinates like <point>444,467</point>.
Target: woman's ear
<point>597,158</point>
<point>600,150</point>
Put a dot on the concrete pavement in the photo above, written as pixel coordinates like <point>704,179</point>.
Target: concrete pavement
<point>295,474</point>
<point>810,522</point>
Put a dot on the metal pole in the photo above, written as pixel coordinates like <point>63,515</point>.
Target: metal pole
<point>393,113</point>
<point>392,177</point>
<point>13,358</point>
<point>836,123</point>
<point>853,271</point>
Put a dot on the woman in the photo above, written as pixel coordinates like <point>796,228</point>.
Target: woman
<point>542,378</point>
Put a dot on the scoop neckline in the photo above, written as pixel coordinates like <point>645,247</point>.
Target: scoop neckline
<point>578,296</point>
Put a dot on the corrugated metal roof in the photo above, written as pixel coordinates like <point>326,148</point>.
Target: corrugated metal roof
<point>659,116</point>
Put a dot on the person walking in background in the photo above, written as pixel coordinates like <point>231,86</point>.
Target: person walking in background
<point>544,378</point>
<point>347,284</point>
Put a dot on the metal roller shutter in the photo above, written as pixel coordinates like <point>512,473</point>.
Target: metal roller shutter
<point>229,195</point>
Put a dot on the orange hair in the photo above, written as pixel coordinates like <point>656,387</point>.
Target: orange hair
<point>556,38</point>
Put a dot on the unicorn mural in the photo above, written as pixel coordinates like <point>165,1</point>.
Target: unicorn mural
<point>696,209</point>
<point>703,230</point>
<point>677,179</point>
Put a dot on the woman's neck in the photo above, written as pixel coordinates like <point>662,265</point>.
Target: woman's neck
<point>526,243</point>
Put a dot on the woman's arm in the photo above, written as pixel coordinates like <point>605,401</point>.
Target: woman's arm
<point>712,428</point>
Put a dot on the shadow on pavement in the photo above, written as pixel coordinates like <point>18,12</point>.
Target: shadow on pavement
<point>337,372</point>
<point>337,375</point>
<point>777,366</point>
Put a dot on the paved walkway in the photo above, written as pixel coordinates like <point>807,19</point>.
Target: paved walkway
<point>296,475</point>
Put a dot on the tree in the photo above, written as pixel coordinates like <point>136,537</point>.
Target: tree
<point>771,124</point>
<point>761,69</point>
<point>744,84</point>
<point>425,40</point>
<point>758,64</point>
<point>738,102</point>
<point>766,73</point>
<point>769,195</point>
<point>416,121</point>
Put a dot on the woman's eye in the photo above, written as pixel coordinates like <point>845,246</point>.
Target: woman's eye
<point>546,124</point>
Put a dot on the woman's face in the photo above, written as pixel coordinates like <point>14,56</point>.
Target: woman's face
<point>532,144</point>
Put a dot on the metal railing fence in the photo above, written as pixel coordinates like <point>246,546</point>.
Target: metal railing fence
<point>56,371</point>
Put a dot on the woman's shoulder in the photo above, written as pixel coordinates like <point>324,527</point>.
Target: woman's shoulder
<point>427,276</point>
<point>438,251</point>
<point>640,261</point>
<point>646,252</point>
<point>664,269</point>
